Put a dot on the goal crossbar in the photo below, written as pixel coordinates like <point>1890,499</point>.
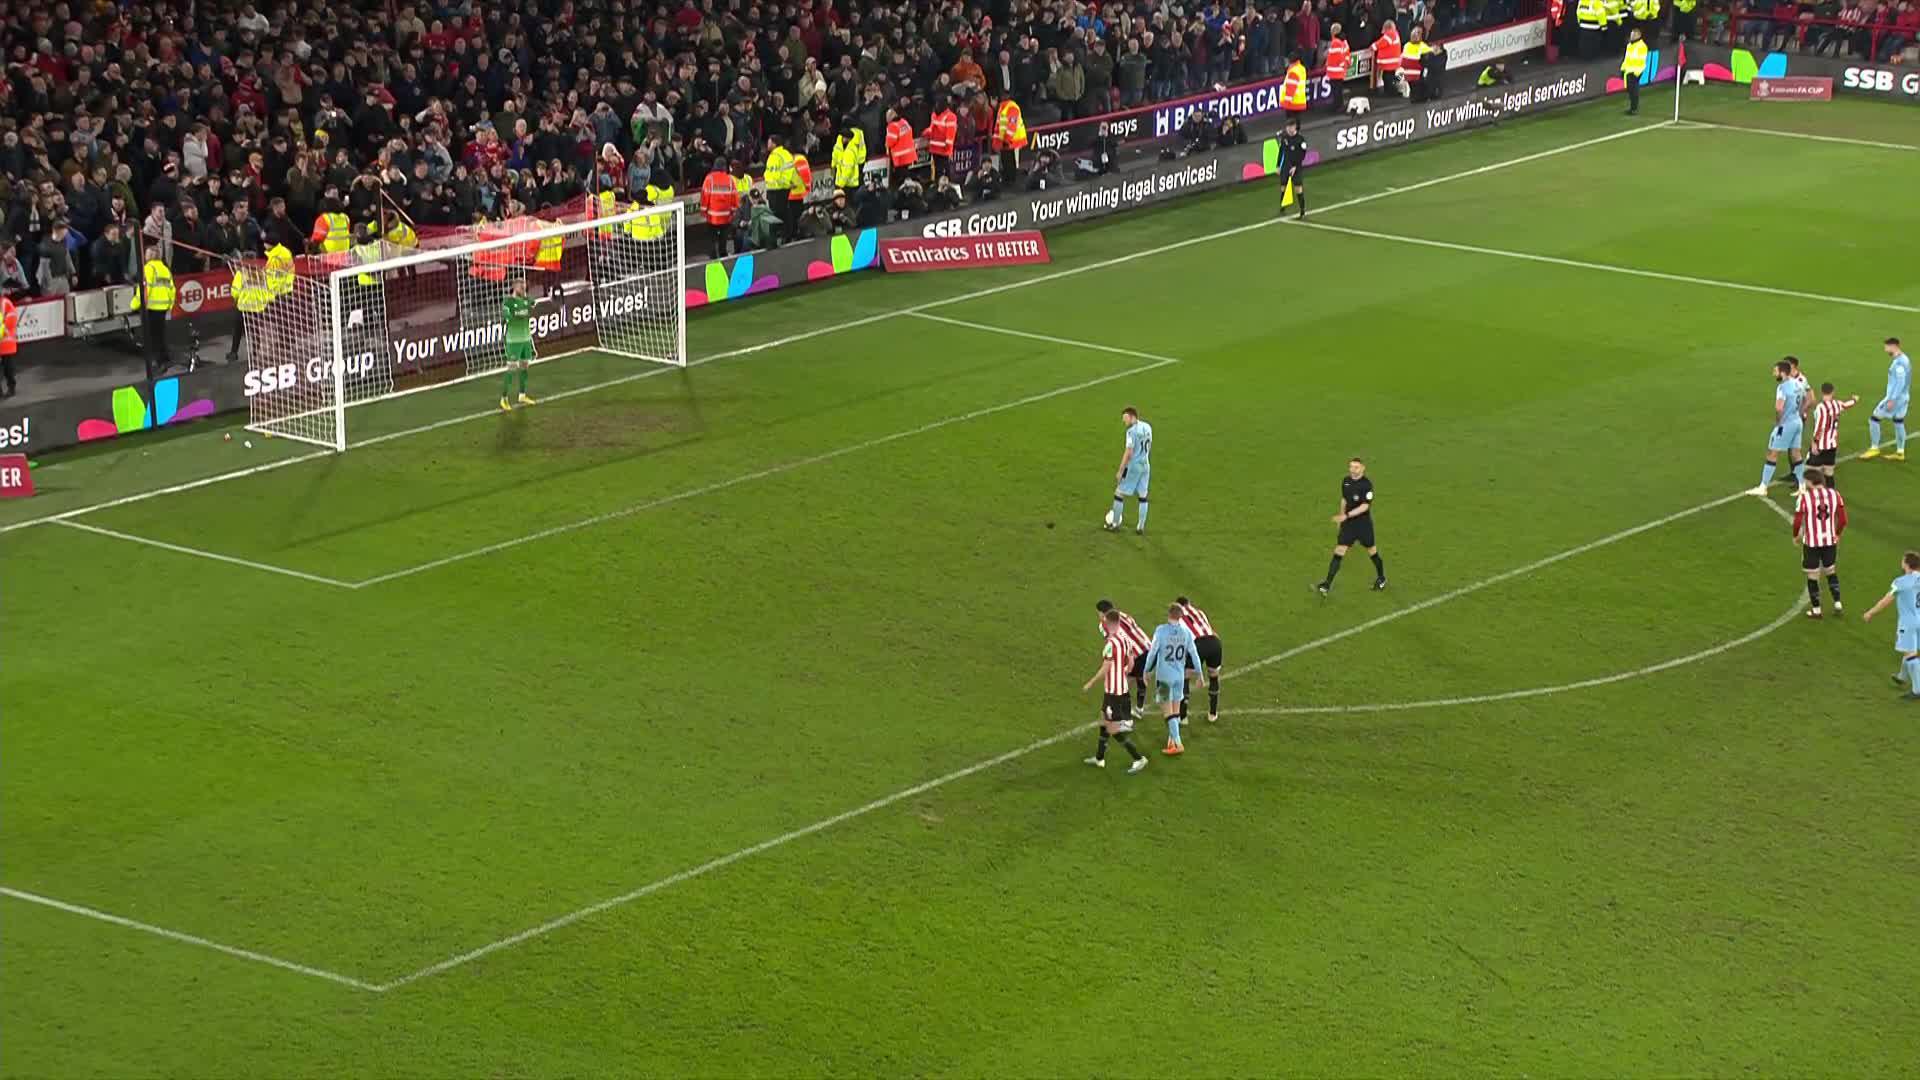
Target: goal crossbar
<point>353,331</point>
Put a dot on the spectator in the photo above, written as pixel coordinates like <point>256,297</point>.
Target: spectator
<point>56,261</point>
<point>1130,74</point>
<point>967,71</point>
<point>1098,97</point>
<point>13,276</point>
<point>1067,83</point>
<point>1906,27</point>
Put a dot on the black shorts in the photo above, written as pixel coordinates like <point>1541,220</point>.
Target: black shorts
<point>1823,458</point>
<point>1819,558</point>
<point>1209,649</point>
<point>1117,709</point>
<point>1139,669</point>
<point>1357,532</point>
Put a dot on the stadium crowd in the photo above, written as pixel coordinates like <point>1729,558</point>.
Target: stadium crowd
<point>216,126</point>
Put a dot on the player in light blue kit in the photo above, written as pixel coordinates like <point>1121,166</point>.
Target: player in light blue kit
<point>1136,465</point>
<point>1905,590</point>
<point>1789,412</point>
<point>1894,406</point>
<point>1172,654</point>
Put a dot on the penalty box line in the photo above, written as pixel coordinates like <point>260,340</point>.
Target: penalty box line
<point>1153,362</point>
<point>1076,731</point>
<point>201,553</point>
<point>807,335</point>
<point>1611,268</point>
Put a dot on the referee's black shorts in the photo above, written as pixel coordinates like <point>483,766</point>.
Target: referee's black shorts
<point>1357,532</point>
<point>1209,649</point>
<point>1819,558</point>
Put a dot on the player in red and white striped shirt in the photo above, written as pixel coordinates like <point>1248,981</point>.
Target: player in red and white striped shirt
<point>1819,517</point>
<point>1141,641</point>
<point>1826,430</point>
<point>1207,644</point>
<point>1118,655</point>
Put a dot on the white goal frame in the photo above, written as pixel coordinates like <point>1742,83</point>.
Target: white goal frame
<point>346,394</point>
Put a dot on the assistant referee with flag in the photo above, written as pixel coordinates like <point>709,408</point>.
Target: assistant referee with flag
<point>1293,154</point>
<point>1632,68</point>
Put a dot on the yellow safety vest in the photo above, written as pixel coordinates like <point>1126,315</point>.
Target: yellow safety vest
<point>1616,11</point>
<point>250,293</point>
<point>1684,7</point>
<point>367,253</point>
<point>1591,14</point>
<point>157,285</point>
<point>402,235</point>
<point>338,228</point>
<point>652,226</point>
<point>609,206</point>
<point>279,270</point>
<point>1646,10</point>
<point>779,169</point>
<point>1636,61</point>
<point>847,169</point>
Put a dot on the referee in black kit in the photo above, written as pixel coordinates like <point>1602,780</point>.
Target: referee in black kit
<point>1356,525</point>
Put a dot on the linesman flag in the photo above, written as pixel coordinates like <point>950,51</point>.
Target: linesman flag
<point>1286,197</point>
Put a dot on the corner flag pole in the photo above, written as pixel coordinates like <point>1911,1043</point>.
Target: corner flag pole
<point>1679,76</point>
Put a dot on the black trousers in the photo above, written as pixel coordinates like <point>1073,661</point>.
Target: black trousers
<point>153,326</point>
<point>239,334</point>
<point>1009,164</point>
<point>6,371</point>
<point>1633,93</point>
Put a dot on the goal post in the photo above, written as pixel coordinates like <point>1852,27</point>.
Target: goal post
<point>378,322</point>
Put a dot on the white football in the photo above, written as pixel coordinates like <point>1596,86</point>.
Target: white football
<point>1107,519</point>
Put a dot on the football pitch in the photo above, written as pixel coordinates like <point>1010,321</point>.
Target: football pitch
<point>727,721</point>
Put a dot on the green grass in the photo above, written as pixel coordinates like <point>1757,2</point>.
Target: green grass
<point>1706,870</point>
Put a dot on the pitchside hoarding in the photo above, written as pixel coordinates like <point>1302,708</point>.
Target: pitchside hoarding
<point>1744,68</point>
<point>1253,100</point>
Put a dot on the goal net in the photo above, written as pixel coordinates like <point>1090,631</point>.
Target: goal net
<point>379,321</point>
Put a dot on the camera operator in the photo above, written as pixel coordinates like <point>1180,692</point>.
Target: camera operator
<point>944,195</point>
<point>1495,74</point>
<point>986,183</point>
<point>874,205</point>
<point>910,201</point>
<point>1230,133</point>
<point>1046,171</point>
<point>838,214</point>
<point>1197,133</point>
<point>1105,153</point>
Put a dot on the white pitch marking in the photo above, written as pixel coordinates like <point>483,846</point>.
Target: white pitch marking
<point>1011,755</point>
<point>190,939</point>
<point>728,860</point>
<point>1631,271</point>
<point>1049,338</point>
<point>1538,691</point>
<point>791,339</point>
<point>1876,144</point>
<point>182,549</point>
<point>760,474</point>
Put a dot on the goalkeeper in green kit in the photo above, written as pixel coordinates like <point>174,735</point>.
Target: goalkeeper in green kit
<point>517,312</point>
